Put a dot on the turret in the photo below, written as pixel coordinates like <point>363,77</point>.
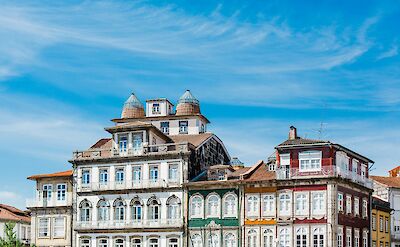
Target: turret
<point>187,105</point>
<point>133,108</point>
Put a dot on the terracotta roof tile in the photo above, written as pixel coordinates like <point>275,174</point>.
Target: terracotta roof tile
<point>195,140</point>
<point>239,171</point>
<point>52,175</point>
<point>104,142</point>
<point>301,141</point>
<point>9,213</point>
<point>393,182</point>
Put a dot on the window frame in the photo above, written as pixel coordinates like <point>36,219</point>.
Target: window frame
<point>63,218</point>
<point>209,213</point>
<point>312,154</point>
<point>46,233</point>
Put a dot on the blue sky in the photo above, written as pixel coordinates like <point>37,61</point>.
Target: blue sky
<point>256,66</point>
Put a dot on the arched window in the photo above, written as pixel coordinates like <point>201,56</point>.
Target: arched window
<point>119,210</point>
<point>85,210</point>
<point>136,242</point>
<point>196,240</point>
<point>252,238</point>
<point>318,237</point>
<point>173,207</point>
<point>284,238</point>
<point>196,206</point>
<point>230,205</point>
<point>85,242</point>
<point>119,242</point>
<point>229,240</point>
<point>154,209</point>
<point>213,206</point>
<point>136,209</point>
<point>103,210</point>
<point>301,237</point>
<point>268,238</point>
<point>213,240</point>
<point>103,242</point>
<point>173,242</point>
<point>153,242</point>
<point>252,206</point>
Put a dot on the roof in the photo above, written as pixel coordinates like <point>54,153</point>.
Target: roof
<point>392,182</point>
<point>159,99</point>
<point>133,102</point>
<point>195,140</point>
<point>102,143</point>
<point>380,204</point>
<point>137,125</point>
<point>259,172</point>
<point>188,97</point>
<point>157,118</point>
<point>239,172</point>
<point>10,213</point>
<point>301,141</point>
<point>52,175</point>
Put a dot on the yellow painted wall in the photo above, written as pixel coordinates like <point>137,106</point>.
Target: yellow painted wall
<point>377,235</point>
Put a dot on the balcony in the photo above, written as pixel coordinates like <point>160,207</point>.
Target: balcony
<point>331,171</point>
<point>145,150</point>
<point>52,202</point>
<point>116,224</point>
<point>126,185</point>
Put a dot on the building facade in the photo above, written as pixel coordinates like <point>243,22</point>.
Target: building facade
<point>129,188</point>
<point>380,223</point>
<point>51,209</point>
<point>388,189</point>
<point>20,218</point>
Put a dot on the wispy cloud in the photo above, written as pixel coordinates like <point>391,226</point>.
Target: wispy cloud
<point>393,51</point>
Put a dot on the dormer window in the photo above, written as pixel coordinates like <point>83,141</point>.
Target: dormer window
<point>310,161</point>
<point>165,127</point>
<point>156,108</point>
<point>123,143</point>
<point>183,127</point>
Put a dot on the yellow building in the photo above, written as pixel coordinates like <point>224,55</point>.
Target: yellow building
<point>380,225</point>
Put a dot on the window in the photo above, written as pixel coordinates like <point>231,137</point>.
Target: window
<point>137,174</point>
<point>119,242</point>
<point>356,206</point>
<point>301,237</point>
<point>137,141</point>
<point>284,204</point>
<point>103,176</point>
<point>396,228</point>
<point>252,206</point>
<point>173,208</point>
<point>381,223</point>
<point>284,237</point>
<point>196,240</point>
<point>103,242</point>
<point>356,238</point>
<point>183,127</point>
<point>153,173</point>
<point>363,171</point>
<point>374,222</point>
<point>268,204</point>
<point>318,202</point>
<point>85,207</point>
<point>59,227</point>
<point>252,238</point>
<point>229,240</point>
<point>165,127</point>
<point>348,237</point>
<point>364,208</point>
<point>85,179</point>
<point>348,204</point>
<point>355,166</point>
<point>196,207</point>
<point>173,173</point>
<point>61,192</point>
<point>318,237</point>
<point>44,228</point>
<point>119,175</point>
<point>153,242</point>
<point>154,210</point>
<point>365,238</point>
<point>213,206</point>
<point>136,242</point>
<point>173,242</point>
<point>230,208</point>
<point>310,161</point>
<point>386,224</point>
<point>340,202</point>
<point>301,204</point>
<point>47,191</point>
<point>85,243</point>
<point>268,238</point>
<point>136,210</point>
<point>123,143</point>
<point>340,237</point>
<point>156,108</point>
<point>103,211</point>
<point>119,210</point>
<point>285,166</point>
<point>213,240</point>
<point>374,243</point>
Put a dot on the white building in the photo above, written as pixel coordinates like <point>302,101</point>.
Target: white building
<point>129,188</point>
<point>51,209</point>
<point>21,220</point>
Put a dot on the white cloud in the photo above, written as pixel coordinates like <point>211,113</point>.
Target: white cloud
<point>392,52</point>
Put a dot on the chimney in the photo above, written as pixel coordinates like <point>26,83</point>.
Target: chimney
<point>292,133</point>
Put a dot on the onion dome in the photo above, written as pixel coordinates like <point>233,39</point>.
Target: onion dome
<point>133,108</point>
<point>187,105</point>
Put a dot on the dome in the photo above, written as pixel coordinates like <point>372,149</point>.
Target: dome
<point>187,105</point>
<point>133,108</point>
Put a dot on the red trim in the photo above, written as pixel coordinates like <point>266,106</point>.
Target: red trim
<point>310,221</point>
<point>310,187</point>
